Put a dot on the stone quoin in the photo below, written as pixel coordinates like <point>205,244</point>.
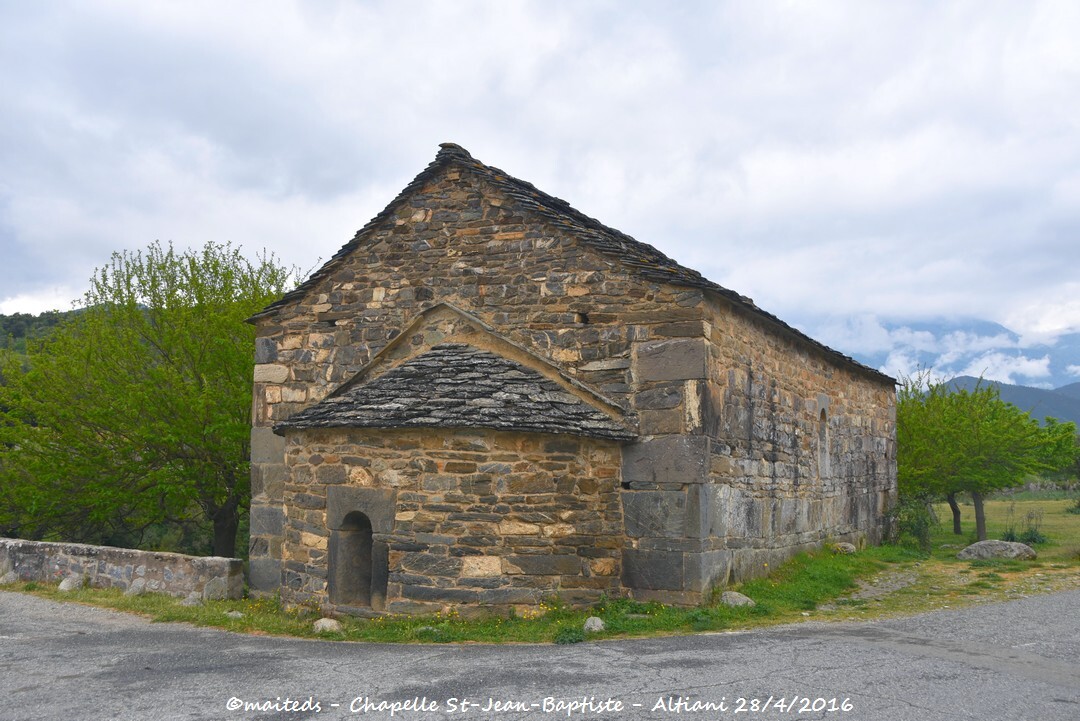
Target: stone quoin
<point>487,398</point>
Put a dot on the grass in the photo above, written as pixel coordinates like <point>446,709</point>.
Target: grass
<point>875,582</point>
<point>1062,529</point>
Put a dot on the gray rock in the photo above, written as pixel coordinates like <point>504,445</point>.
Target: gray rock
<point>71,583</point>
<point>137,587</point>
<point>9,577</point>
<point>593,624</point>
<point>192,599</point>
<point>234,614</point>
<point>843,549</point>
<point>216,589</point>
<point>327,624</point>
<point>734,598</point>
<point>997,549</point>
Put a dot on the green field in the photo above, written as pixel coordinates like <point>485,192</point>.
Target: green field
<point>1049,514</point>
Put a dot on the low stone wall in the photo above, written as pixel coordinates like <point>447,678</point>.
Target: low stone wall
<point>107,567</point>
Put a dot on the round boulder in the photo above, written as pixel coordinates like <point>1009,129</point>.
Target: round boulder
<point>734,598</point>
<point>997,549</point>
<point>71,583</point>
<point>327,624</point>
<point>594,624</point>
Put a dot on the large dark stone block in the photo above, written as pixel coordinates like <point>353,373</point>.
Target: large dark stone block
<point>376,503</point>
<point>668,396</point>
<point>546,565</point>
<point>648,514</point>
<point>670,360</point>
<point>707,570</point>
<point>266,447</point>
<point>653,570</point>
<point>265,350</point>
<point>267,520</point>
<point>264,574</point>
<point>668,459</point>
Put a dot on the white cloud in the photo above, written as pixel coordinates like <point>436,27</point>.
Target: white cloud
<point>47,299</point>
<point>1073,370</point>
<point>1007,369</point>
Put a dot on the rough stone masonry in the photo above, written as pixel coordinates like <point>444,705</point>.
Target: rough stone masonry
<point>487,398</point>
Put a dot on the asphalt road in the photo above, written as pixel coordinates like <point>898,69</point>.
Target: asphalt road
<point>1014,661</point>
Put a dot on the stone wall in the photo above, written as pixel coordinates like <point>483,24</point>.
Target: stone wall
<point>739,469</point>
<point>464,242</point>
<point>801,448</point>
<point>107,567</point>
<point>484,518</point>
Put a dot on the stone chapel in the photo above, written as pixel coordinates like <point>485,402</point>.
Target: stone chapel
<point>487,398</point>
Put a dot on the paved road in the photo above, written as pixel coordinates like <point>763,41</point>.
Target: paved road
<point>1014,661</point>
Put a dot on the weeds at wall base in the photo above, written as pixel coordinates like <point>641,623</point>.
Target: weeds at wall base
<point>822,586</point>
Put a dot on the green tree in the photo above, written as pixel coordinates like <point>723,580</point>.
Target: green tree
<point>955,441</point>
<point>136,412</point>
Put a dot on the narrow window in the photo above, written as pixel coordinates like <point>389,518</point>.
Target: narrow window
<point>823,445</point>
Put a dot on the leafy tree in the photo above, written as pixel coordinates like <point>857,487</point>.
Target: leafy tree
<point>955,441</point>
<point>136,412</point>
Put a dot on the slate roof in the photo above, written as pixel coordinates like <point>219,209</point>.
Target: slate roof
<point>455,385</point>
<point>646,260</point>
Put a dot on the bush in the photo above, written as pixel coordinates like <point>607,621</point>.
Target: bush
<point>1032,536</point>
<point>911,522</point>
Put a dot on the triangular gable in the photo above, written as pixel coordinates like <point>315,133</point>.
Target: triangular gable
<point>641,258</point>
<point>562,400</point>
<point>455,385</point>
<point>446,323</point>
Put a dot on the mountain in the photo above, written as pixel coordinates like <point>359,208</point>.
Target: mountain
<point>1072,390</point>
<point>1061,403</point>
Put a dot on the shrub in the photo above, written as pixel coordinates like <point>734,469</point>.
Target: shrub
<point>911,522</point>
<point>1032,536</point>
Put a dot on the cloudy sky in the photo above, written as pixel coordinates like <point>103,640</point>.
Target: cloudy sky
<point>839,162</point>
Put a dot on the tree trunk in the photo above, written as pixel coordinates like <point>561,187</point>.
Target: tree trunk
<point>226,524</point>
<point>951,498</point>
<point>980,516</point>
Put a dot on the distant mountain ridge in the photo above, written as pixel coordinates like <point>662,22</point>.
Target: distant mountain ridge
<point>1061,403</point>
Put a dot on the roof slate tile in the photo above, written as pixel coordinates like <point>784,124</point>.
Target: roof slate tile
<point>431,390</point>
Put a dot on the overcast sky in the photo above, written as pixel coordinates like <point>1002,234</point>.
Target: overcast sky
<point>832,160</point>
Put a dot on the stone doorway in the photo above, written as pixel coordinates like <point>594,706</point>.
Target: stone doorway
<point>359,520</point>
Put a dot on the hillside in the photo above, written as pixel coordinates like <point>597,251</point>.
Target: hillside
<point>17,328</point>
<point>1061,403</point>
